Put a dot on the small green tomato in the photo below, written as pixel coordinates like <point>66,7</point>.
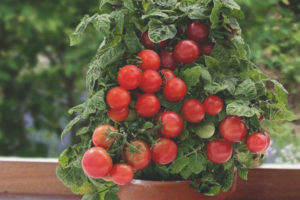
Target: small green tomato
<point>205,130</point>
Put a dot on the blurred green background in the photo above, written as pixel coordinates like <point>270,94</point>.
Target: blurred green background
<point>41,76</point>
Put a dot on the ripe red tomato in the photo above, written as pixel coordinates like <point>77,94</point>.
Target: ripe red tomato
<point>138,160</point>
<point>129,77</point>
<point>164,151</point>
<point>219,151</point>
<point>213,105</point>
<point>118,115</point>
<point>186,51</point>
<point>175,90</point>
<point>197,32</point>
<point>233,129</point>
<point>122,174</point>
<point>150,60</point>
<point>96,162</point>
<point>257,142</point>
<point>172,124</point>
<point>118,98</point>
<point>193,111</point>
<point>147,105</point>
<point>168,60</point>
<point>100,137</point>
<point>151,81</point>
<point>148,43</point>
<point>206,48</point>
<point>167,75</point>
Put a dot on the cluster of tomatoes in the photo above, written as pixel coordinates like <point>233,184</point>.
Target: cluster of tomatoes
<point>148,79</point>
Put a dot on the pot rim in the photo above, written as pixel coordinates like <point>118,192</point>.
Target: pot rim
<point>139,182</point>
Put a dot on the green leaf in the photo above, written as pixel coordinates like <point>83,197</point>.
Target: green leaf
<point>243,173</point>
<point>215,14</point>
<point>186,172</point>
<point>102,23</point>
<point>76,36</point>
<point>245,158</point>
<point>155,13</point>
<point>213,190</point>
<point>179,164</point>
<point>214,88</point>
<point>246,90</point>
<point>205,75</point>
<point>165,3</point>
<point>228,180</point>
<point>65,157</point>
<point>231,4</point>
<point>197,163</point>
<point>170,106</point>
<point>111,195</point>
<point>211,63</point>
<point>70,125</point>
<point>241,108</point>
<point>91,196</point>
<point>158,31</point>
<point>191,76</point>
<point>129,4</point>
<point>193,10</point>
<point>132,42</point>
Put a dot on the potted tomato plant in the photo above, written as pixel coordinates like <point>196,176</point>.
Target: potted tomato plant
<point>175,106</point>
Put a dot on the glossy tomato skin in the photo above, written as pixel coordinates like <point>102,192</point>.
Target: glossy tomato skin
<point>118,98</point>
<point>175,90</point>
<point>129,77</point>
<point>148,43</point>
<point>213,105</point>
<point>138,160</point>
<point>100,137</point>
<point>118,115</point>
<point>233,129</point>
<point>186,51</point>
<point>122,174</point>
<point>193,111</point>
<point>167,75</point>
<point>151,81</point>
<point>96,162</point>
<point>164,151</point>
<point>168,60</point>
<point>197,31</point>
<point>219,151</point>
<point>150,60</point>
<point>172,124</point>
<point>147,105</point>
<point>257,143</point>
<point>206,48</point>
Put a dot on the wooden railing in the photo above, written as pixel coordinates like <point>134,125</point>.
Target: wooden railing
<point>36,179</point>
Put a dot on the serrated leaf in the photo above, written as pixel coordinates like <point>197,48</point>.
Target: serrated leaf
<point>164,3</point>
<point>186,172</point>
<point>155,13</point>
<point>196,163</point>
<point>70,125</point>
<point>231,4</point>
<point>214,88</point>
<point>179,164</point>
<point>102,23</point>
<point>246,90</point>
<point>243,173</point>
<point>158,31</point>
<point>191,76</point>
<point>76,36</point>
<point>193,10</point>
<point>132,42</point>
<point>215,14</point>
<point>242,109</point>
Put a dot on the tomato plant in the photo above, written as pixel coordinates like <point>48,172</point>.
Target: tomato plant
<point>147,105</point>
<point>138,155</point>
<point>118,98</point>
<point>122,174</point>
<point>206,48</point>
<point>151,81</point>
<point>164,151</point>
<point>150,60</point>
<point>257,142</point>
<point>233,129</point>
<point>213,105</point>
<point>186,51</point>
<point>172,124</point>
<point>168,60</point>
<point>148,43</point>
<point>219,151</point>
<point>118,115</point>
<point>167,75</point>
<point>197,31</point>
<point>129,77</point>
<point>193,111</point>
<point>175,90</point>
<point>101,137</point>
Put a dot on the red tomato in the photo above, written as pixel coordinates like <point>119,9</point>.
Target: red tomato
<point>219,151</point>
<point>233,129</point>
<point>207,48</point>
<point>147,105</point>
<point>148,43</point>
<point>167,75</point>
<point>186,51</point>
<point>261,118</point>
<point>96,162</point>
<point>168,60</point>
<point>122,174</point>
<point>164,151</point>
<point>118,98</point>
<point>118,115</point>
<point>129,77</point>
<point>151,81</point>
<point>197,32</point>
<point>172,124</point>
<point>213,105</point>
<point>257,142</point>
<point>175,90</point>
<point>100,137</point>
<point>193,111</point>
<point>150,60</point>
<point>138,160</point>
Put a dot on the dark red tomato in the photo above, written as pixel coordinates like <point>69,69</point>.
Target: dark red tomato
<point>129,77</point>
<point>219,151</point>
<point>118,115</point>
<point>175,90</point>
<point>193,111</point>
<point>168,60</point>
<point>164,151</point>
<point>206,48</point>
<point>197,32</point>
<point>148,43</point>
<point>122,174</point>
<point>147,105</point>
<point>150,60</point>
<point>167,75</point>
<point>186,51</point>
<point>257,142</point>
<point>172,124</point>
<point>118,98</point>
<point>138,159</point>
<point>151,81</point>
<point>96,162</point>
<point>101,138</point>
<point>233,129</point>
<point>213,105</point>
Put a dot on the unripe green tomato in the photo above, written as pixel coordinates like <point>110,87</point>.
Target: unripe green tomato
<point>205,130</point>
<point>131,116</point>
